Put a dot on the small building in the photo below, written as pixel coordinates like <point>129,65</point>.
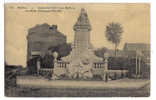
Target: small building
<point>41,37</point>
<point>144,48</point>
<point>140,58</point>
<point>131,49</point>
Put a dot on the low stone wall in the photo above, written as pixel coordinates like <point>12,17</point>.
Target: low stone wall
<point>98,69</point>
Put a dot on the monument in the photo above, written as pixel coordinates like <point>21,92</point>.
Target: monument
<point>82,57</point>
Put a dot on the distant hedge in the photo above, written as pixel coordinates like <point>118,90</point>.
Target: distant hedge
<point>31,65</point>
<point>118,63</point>
<point>125,63</point>
<point>122,63</point>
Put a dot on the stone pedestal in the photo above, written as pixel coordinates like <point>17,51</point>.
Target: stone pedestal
<point>55,73</point>
<point>105,76</point>
<point>38,66</point>
<point>138,63</point>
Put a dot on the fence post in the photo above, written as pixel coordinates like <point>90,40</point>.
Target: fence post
<point>55,55</point>
<point>136,71</point>
<point>138,67</point>
<point>38,66</point>
<point>105,76</point>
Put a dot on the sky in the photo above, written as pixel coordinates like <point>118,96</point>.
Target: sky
<point>134,18</point>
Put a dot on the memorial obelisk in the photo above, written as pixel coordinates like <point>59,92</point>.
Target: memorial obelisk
<point>82,52</point>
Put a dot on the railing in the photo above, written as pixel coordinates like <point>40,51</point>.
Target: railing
<point>98,68</point>
<point>60,67</point>
<point>45,71</point>
<point>61,64</point>
<point>98,65</point>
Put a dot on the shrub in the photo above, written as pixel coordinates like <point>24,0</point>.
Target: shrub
<point>118,63</point>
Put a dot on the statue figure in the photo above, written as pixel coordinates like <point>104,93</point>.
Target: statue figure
<point>86,69</point>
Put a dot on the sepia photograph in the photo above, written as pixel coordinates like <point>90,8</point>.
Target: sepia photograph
<point>77,49</point>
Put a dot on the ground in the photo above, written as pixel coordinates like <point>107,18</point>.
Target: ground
<point>138,88</point>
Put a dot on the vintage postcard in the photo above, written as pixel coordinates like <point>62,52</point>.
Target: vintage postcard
<point>77,50</point>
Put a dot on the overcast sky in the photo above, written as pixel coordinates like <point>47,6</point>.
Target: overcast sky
<point>134,18</point>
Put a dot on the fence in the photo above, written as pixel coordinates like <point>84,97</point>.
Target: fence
<point>60,66</point>
<point>98,68</point>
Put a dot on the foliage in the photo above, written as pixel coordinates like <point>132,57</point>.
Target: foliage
<point>113,33</point>
<point>62,50</point>
<point>47,60</point>
<point>100,52</point>
<point>118,63</point>
<point>11,71</point>
<point>31,64</point>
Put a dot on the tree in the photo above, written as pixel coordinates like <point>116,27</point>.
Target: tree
<point>100,52</point>
<point>62,49</point>
<point>113,34</point>
<point>47,61</point>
